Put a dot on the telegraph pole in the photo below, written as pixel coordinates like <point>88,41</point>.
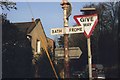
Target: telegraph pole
<point>66,13</point>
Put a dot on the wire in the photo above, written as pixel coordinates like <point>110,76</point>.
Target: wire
<point>30,9</point>
<point>48,56</point>
<point>45,46</point>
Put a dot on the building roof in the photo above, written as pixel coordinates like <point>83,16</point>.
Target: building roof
<point>25,27</point>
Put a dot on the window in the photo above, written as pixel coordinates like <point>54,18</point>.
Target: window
<point>38,47</point>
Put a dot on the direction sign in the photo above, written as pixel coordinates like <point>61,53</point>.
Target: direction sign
<point>74,53</point>
<point>55,31</point>
<point>72,30</point>
<point>67,30</point>
<point>88,22</point>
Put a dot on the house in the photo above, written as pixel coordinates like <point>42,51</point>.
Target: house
<point>51,44</point>
<point>35,33</point>
<point>22,42</point>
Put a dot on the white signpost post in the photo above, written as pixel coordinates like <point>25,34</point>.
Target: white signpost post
<point>89,22</point>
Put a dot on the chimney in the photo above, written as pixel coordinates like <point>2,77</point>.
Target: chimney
<point>33,20</point>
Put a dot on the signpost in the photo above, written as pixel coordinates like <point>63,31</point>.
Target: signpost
<point>86,23</point>
<point>55,31</point>
<point>89,22</point>
<point>74,53</point>
<point>73,30</point>
<point>66,6</point>
<point>67,30</point>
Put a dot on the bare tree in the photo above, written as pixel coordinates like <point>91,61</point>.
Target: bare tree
<point>7,4</point>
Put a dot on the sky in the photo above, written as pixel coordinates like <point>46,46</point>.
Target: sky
<point>50,14</point>
<point>61,0</point>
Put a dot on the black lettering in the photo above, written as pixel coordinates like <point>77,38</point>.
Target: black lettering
<point>52,31</point>
<point>80,29</point>
<point>81,19</point>
<point>55,31</point>
<point>92,19</point>
<point>87,24</point>
<point>70,30</point>
<point>84,24</point>
<point>74,30</point>
<point>60,30</point>
<point>88,19</point>
<point>77,29</point>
